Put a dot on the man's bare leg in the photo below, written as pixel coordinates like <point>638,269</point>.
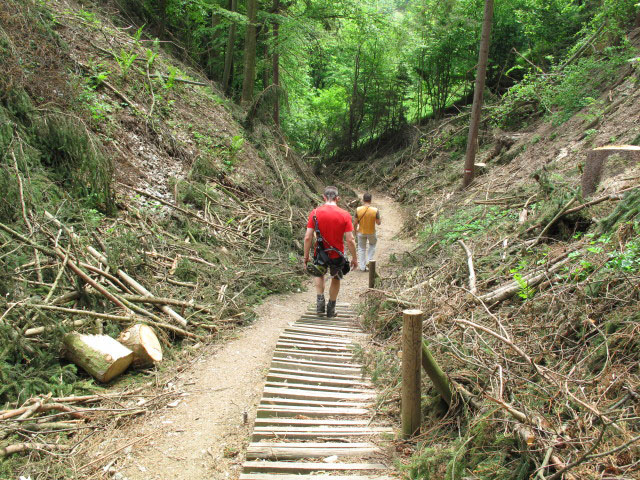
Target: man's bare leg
<point>320,303</point>
<point>334,288</point>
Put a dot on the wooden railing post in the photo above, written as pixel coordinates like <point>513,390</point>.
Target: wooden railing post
<point>372,274</point>
<point>411,370</point>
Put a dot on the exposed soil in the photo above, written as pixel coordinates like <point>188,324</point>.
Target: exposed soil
<point>205,435</point>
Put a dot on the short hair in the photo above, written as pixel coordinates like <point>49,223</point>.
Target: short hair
<point>331,193</point>
<point>366,197</point>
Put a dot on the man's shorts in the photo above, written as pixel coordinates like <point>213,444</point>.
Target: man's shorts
<point>335,268</point>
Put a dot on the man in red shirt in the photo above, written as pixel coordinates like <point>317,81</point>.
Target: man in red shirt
<point>334,223</point>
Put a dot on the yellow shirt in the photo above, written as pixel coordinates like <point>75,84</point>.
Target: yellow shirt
<point>366,217</point>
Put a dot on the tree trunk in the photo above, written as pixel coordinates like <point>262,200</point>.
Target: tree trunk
<point>228,56</point>
<point>162,13</point>
<point>249,54</point>
<point>142,340</point>
<point>354,100</point>
<point>472,141</point>
<point>99,355</point>
<point>266,74</point>
<point>276,63</point>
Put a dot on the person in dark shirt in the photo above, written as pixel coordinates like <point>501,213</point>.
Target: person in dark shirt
<point>335,225</point>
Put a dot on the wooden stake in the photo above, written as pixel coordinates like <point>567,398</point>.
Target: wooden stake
<point>411,360</point>
<point>372,274</point>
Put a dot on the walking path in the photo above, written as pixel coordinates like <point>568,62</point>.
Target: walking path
<point>316,407</point>
<point>205,435</point>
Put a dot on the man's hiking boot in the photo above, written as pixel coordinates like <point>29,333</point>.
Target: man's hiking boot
<point>331,309</point>
<point>320,304</point>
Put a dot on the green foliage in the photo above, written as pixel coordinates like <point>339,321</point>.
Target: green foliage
<point>484,453</point>
<point>626,210</point>
<point>567,90</point>
<point>125,59</point>
<point>23,376</point>
<point>464,223</point>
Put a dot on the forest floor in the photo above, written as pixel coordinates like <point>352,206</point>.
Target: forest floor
<point>206,433</point>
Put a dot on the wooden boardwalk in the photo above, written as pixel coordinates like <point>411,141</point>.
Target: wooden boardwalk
<point>313,420</point>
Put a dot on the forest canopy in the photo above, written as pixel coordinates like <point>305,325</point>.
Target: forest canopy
<point>349,71</point>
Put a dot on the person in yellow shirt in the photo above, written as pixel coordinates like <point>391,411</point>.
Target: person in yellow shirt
<point>367,217</point>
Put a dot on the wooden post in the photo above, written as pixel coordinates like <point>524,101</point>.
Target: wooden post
<point>411,369</point>
<point>372,274</point>
<point>437,376</point>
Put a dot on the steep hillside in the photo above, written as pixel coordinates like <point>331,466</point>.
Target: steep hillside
<point>542,341</point>
<point>106,143</point>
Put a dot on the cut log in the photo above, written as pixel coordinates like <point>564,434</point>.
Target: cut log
<point>101,356</point>
<point>144,343</point>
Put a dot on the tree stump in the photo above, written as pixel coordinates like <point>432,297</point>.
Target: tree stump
<point>596,159</point>
<point>142,340</point>
<point>101,356</point>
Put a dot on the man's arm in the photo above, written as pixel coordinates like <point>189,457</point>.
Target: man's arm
<point>351,245</point>
<point>308,237</point>
<point>378,217</point>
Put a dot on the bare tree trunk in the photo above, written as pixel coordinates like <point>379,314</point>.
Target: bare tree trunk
<point>250,53</point>
<point>481,74</point>
<point>354,100</point>
<point>276,63</point>
<point>162,13</point>
<point>228,58</point>
<point>266,73</point>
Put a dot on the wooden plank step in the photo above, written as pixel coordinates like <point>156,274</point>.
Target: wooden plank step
<point>320,330</point>
<point>312,347</point>
<point>279,401</point>
<point>265,411</point>
<point>314,394</point>
<point>310,367</point>
<point>320,356</point>
<point>306,422</point>
<point>307,433</point>
<point>309,467</point>
<point>277,476</point>
<point>317,341</point>
<point>322,429</point>
<point>293,451</point>
<point>285,358</point>
<point>336,341</point>
<point>309,337</point>
<point>279,377</point>
<point>325,388</point>
<point>313,375</point>
<point>340,319</point>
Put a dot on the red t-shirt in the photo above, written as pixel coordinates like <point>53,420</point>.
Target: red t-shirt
<point>333,222</point>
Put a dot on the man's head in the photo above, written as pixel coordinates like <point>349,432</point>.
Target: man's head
<point>330,194</point>
<point>366,197</point>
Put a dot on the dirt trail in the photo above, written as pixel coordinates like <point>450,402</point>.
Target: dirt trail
<point>204,437</point>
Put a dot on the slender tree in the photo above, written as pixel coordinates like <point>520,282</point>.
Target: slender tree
<point>228,56</point>
<point>276,63</point>
<point>250,53</point>
<point>472,140</point>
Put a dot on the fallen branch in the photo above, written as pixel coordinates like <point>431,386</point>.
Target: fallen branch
<point>41,447</point>
<point>58,253</point>
<point>553,221</point>
<point>472,273</point>
<point>123,275</point>
<point>532,279</point>
<point>191,214</point>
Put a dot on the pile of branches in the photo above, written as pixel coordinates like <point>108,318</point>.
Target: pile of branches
<point>39,426</point>
<point>539,338</point>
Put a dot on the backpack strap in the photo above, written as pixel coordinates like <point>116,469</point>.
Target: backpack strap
<point>363,214</point>
<point>321,241</point>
